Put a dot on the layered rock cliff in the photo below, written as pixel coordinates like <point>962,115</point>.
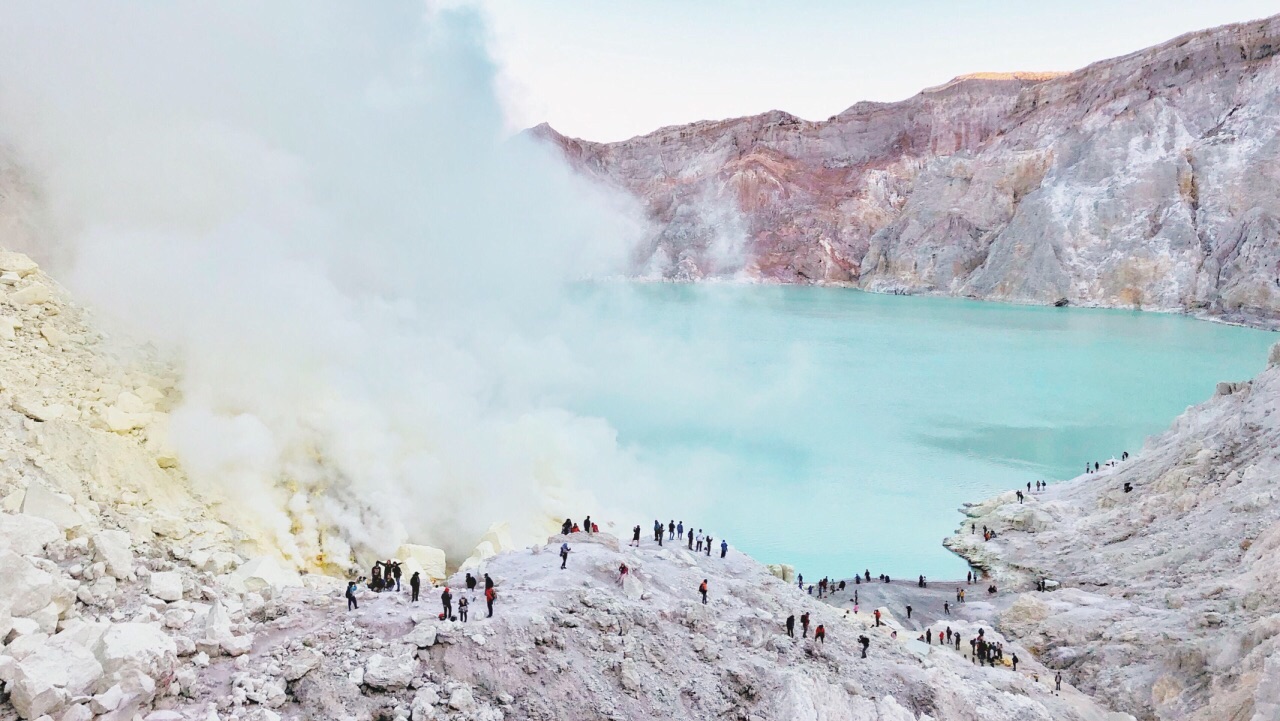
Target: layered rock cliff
<point>1149,181</point>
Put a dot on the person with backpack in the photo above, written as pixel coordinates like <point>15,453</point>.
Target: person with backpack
<point>351,596</point>
<point>415,582</point>
<point>564,555</point>
<point>865,643</point>
<point>702,588</point>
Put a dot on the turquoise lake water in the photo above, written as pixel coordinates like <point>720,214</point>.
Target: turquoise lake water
<point>839,430</point>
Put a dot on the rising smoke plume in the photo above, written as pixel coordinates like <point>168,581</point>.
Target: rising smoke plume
<point>314,207</point>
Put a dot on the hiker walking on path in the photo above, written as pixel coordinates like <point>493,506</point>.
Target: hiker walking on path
<point>908,612</point>
<point>791,625</point>
<point>703,590</point>
<point>351,596</point>
<point>1015,662</point>
<point>866,643</point>
<point>804,625</point>
<point>564,555</point>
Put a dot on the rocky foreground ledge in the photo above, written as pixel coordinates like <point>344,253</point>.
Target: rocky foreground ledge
<point>127,595</point>
<point>1169,605</point>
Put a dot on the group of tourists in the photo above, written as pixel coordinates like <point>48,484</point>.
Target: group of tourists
<point>1095,466</point>
<point>385,577</point>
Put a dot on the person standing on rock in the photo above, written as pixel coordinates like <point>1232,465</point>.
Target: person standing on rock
<point>586,524</point>
<point>657,531</point>
<point>567,527</point>
<point>471,582</point>
<point>1015,661</point>
<point>351,596</point>
<point>908,612</point>
<point>946,608</point>
<point>877,615</point>
<point>415,582</point>
<point>855,597</point>
<point>820,634</point>
<point>462,609</point>
<point>804,625</point>
<point>490,593</point>
<point>791,625</point>
<point>928,636</point>
<point>671,530</point>
<point>698,549</point>
<point>690,539</point>
<point>1057,681</point>
<point>395,573</point>
<point>446,601</point>
<point>724,547</point>
<point>708,544</point>
<point>680,530</point>
<point>564,555</point>
<point>488,582</point>
<point>635,536</point>
<point>703,590</point>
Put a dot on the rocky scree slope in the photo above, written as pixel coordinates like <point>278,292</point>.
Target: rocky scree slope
<point>125,598</point>
<point>1170,606</point>
<point>1150,180</point>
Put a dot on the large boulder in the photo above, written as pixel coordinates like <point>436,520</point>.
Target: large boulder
<point>46,679</point>
<point>115,550</point>
<point>41,502</point>
<point>141,648</point>
<point>27,535</point>
<point>264,572</point>
<point>25,589</point>
<point>16,263</point>
<point>166,585</point>
<point>428,561</point>
<point>496,540</point>
<point>389,673</point>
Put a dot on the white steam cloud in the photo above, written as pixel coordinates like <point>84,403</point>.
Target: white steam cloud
<point>313,206</point>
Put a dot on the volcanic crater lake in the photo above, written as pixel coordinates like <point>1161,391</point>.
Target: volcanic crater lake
<point>839,430</point>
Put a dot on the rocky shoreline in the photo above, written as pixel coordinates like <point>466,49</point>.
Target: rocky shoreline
<point>1167,605</point>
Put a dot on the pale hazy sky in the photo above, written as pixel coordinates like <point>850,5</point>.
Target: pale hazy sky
<point>607,70</point>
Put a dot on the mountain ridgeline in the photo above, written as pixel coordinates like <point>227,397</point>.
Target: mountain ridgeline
<point>1147,181</point>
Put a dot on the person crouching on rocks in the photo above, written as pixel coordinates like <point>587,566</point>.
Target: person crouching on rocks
<point>820,634</point>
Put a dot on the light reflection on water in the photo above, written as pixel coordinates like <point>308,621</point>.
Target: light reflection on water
<point>839,430</point>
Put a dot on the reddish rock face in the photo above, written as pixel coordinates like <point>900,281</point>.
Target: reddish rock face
<point>1150,180</point>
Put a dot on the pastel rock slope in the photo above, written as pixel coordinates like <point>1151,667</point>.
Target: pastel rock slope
<point>1170,606</point>
<point>1150,180</point>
